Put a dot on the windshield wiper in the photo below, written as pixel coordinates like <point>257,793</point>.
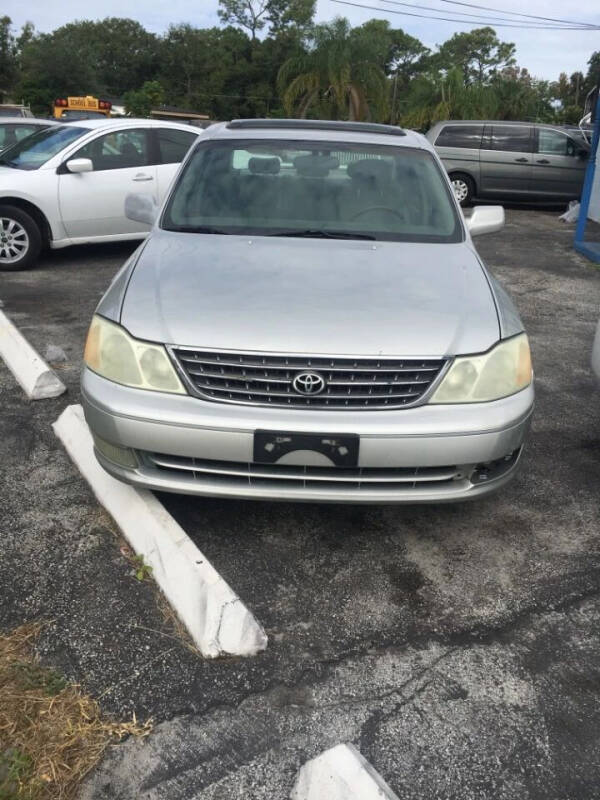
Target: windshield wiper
<point>316,233</point>
<point>197,229</point>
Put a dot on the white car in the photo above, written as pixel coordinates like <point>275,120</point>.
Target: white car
<point>67,184</point>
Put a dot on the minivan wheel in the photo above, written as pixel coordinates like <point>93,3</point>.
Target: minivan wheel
<point>463,188</point>
<point>20,239</point>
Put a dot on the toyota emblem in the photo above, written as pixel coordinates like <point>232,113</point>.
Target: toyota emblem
<point>308,383</point>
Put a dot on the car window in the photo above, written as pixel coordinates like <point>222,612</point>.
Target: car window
<point>13,133</point>
<point>555,143</point>
<point>117,150</point>
<point>509,138</point>
<point>21,131</point>
<point>173,144</point>
<point>297,188</point>
<point>460,136</point>
<point>33,151</point>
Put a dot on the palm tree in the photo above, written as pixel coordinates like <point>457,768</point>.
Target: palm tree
<point>336,75</point>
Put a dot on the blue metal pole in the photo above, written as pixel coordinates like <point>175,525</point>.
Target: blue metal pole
<point>589,179</point>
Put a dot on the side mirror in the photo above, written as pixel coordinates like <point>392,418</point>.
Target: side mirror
<point>583,154</point>
<point>141,208</point>
<point>485,219</point>
<point>80,165</point>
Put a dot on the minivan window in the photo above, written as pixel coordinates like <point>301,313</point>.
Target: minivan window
<point>313,189</point>
<point>33,151</point>
<point>510,138</point>
<point>460,136</point>
<point>555,143</point>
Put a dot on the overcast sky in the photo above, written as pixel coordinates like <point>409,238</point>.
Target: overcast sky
<point>544,53</point>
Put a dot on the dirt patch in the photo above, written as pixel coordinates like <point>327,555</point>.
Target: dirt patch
<point>51,734</point>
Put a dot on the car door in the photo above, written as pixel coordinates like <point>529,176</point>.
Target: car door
<point>559,164</point>
<point>172,145</point>
<point>506,160</point>
<point>92,204</point>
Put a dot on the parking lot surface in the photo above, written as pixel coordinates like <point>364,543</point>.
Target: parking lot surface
<point>456,646</point>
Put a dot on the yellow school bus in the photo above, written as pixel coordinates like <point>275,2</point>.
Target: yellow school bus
<point>86,107</point>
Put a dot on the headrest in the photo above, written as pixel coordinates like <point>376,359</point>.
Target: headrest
<point>264,166</point>
<point>315,166</point>
<point>366,168</point>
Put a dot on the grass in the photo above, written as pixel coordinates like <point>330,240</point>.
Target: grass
<point>51,733</point>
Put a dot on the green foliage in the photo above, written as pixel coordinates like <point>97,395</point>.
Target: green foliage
<point>271,60</point>
<point>479,54</point>
<point>8,60</point>
<point>277,15</point>
<point>337,75</point>
<point>509,94</point>
<point>141,570</point>
<point>141,102</point>
<point>30,675</point>
<point>15,768</point>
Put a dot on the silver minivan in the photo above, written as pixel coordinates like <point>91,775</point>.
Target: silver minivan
<point>518,160</point>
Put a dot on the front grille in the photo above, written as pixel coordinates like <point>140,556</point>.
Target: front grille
<point>282,476</point>
<point>267,380</point>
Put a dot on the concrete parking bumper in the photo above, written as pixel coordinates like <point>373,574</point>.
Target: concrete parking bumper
<point>217,620</point>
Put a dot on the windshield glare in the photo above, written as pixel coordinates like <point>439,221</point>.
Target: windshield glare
<point>311,188</point>
<point>33,151</point>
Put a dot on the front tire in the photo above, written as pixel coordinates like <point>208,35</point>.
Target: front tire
<point>463,188</point>
<point>20,239</point>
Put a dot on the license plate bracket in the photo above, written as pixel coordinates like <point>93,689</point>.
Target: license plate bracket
<point>342,449</point>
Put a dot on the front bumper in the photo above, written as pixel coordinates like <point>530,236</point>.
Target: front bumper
<point>417,455</point>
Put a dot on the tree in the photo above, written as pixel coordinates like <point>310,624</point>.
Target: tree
<point>201,68</point>
<point>122,52</point>
<point>8,65</point>
<point>51,69</point>
<point>254,15</point>
<point>593,74</point>
<point>285,14</point>
<point>337,75</point>
<point>478,53</point>
<point>141,102</point>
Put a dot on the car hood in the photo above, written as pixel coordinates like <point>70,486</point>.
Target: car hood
<point>310,296</point>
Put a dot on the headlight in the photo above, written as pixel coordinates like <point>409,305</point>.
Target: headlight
<point>502,371</point>
<point>114,354</point>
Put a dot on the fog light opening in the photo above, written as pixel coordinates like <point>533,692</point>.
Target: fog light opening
<point>491,470</point>
<point>123,456</point>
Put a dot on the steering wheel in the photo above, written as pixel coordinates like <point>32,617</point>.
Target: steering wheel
<point>388,210</point>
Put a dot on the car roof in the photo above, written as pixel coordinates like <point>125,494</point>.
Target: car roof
<point>556,125</point>
<point>26,121</point>
<point>317,130</point>
<point>125,122</point>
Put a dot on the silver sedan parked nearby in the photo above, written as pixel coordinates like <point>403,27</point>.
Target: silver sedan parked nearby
<point>309,320</point>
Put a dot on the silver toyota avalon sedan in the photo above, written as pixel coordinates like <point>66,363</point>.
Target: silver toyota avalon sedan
<point>309,320</point>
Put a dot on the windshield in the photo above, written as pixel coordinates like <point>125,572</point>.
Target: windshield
<point>82,115</point>
<point>328,189</point>
<point>35,150</point>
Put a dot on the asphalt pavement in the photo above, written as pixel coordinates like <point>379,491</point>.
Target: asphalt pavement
<point>457,646</point>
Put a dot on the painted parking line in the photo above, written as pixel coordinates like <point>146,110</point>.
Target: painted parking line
<point>34,376</point>
<point>340,773</point>
<point>216,618</point>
